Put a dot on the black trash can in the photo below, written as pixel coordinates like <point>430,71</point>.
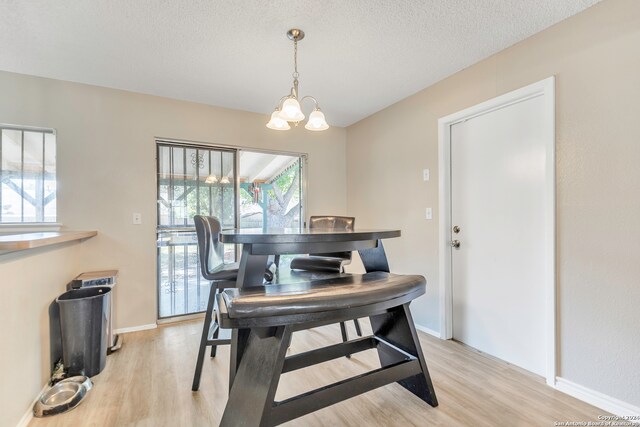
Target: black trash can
<point>84,324</point>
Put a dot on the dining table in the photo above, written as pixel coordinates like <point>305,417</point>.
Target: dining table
<point>258,244</point>
<point>261,244</point>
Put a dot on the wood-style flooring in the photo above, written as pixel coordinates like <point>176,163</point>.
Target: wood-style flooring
<point>148,383</point>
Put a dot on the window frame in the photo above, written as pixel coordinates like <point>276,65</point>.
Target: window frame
<point>30,226</point>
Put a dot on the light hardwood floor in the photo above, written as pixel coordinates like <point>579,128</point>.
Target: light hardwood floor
<point>148,383</point>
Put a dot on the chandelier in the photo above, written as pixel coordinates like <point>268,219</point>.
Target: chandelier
<point>288,108</point>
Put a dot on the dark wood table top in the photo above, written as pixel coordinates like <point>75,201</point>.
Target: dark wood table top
<point>305,235</point>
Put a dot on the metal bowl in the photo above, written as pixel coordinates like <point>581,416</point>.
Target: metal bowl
<point>81,379</point>
<point>62,397</point>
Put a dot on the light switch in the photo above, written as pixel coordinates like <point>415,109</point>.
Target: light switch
<point>137,218</point>
<point>425,174</point>
<point>429,214</point>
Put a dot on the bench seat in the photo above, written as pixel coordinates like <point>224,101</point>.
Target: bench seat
<point>324,298</point>
<point>265,318</point>
<point>320,295</point>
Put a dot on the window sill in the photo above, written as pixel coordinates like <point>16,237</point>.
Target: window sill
<point>19,242</point>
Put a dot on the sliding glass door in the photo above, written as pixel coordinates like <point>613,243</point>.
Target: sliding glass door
<point>191,181</point>
<point>242,188</point>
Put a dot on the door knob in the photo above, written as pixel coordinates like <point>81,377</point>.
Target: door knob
<point>456,229</point>
<point>455,244</point>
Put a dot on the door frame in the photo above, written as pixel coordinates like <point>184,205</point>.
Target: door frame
<point>545,88</point>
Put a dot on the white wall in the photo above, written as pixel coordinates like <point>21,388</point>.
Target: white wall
<point>106,171</point>
<point>595,57</point>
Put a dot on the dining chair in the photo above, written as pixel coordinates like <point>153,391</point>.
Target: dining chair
<point>329,262</point>
<point>221,276</point>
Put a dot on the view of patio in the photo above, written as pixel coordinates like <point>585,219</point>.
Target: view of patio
<point>201,181</point>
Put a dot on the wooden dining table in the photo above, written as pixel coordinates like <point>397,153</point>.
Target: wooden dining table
<point>259,244</point>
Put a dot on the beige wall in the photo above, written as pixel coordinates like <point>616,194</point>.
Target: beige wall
<point>29,282</point>
<point>106,171</point>
<point>595,57</point>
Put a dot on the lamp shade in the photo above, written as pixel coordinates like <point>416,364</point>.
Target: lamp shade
<point>316,122</point>
<point>211,179</point>
<point>291,111</point>
<point>276,123</point>
<point>224,180</point>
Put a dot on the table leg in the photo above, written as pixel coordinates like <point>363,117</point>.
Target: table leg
<point>374,259</point>
<point>251,269</point>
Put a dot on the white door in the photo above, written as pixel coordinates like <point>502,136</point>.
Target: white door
<point>498,203</point>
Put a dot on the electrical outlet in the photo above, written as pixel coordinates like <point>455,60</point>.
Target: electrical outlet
<point>425,174</point>
<point>429,213</point>
<point>137,218</point>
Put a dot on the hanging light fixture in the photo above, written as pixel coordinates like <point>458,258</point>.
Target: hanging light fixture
<point>288,108</point>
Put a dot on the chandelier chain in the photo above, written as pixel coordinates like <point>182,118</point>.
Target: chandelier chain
<point>295,59</point>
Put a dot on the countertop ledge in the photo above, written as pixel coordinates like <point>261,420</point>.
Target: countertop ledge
<point>18,242</point>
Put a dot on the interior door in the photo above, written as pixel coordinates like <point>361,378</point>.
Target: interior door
<point>498,219</point>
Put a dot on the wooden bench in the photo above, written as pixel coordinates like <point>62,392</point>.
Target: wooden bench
<point>266,318</point>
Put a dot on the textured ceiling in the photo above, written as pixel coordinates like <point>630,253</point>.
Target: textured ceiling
<point>359,56</point>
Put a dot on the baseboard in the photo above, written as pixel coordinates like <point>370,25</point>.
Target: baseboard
<point>428,331</point>
<point>183,318</point>
<point>136,328</point>
<point>28,416</point>
<point>597,399</point>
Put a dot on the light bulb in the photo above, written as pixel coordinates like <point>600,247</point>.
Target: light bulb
<point>316,122</point>
<point>277,123</point>
<point>291,111</point>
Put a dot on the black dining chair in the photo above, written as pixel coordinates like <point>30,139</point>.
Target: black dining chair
<point>329,262</point>
<point>222,276</point>
<point>212,268</point>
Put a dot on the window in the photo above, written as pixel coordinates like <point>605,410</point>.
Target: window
<point>27,175</point>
